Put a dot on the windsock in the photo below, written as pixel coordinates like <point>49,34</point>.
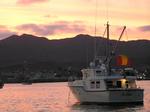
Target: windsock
<point>123,60</point>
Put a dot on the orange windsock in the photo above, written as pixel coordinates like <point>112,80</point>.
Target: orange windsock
<point>123,60</point>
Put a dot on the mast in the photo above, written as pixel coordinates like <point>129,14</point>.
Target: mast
<point>107,48</point>
<point>95,32</point>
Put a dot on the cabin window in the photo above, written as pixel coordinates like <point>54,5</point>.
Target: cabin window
<point>129,73</point>
<point>97,84</point>
<point>98,72</point>
<point>118,84</point>
<point>109,84</point>
<point>92,84</point>
<point>127,84</point>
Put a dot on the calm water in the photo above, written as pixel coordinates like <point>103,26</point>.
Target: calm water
<point>53,97</point>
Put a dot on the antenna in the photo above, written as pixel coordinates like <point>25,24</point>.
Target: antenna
<point>87,55</point>
<point>108,48</point>
<point>107,39</point>
<point>95,32</point>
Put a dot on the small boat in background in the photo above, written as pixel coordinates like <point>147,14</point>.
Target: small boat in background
<point>1,84</point>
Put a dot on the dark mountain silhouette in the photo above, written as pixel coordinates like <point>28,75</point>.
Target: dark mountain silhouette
<point>14,50</point>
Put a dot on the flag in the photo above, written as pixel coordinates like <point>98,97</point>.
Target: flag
<point>123,60</point>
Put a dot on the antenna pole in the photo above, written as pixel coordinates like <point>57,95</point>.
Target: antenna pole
<point>95,50</point>
<point>108,49</point>
<point>107,53</point>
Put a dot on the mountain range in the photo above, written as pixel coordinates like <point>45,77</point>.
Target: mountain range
<point>76,51</point>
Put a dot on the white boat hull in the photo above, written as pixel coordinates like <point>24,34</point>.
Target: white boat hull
<point>108,96</point>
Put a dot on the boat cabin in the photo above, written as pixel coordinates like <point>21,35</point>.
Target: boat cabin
<point>98,79</point>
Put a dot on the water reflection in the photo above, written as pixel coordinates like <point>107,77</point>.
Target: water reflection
<point>53,97</point>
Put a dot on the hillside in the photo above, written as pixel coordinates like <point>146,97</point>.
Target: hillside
<point>73,51</point>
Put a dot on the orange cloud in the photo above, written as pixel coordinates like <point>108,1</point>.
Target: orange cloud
<point>29,2</point>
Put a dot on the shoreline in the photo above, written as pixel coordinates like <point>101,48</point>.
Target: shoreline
<point>37,81</point>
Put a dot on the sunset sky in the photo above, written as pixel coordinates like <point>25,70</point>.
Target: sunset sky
<point>56,19</point>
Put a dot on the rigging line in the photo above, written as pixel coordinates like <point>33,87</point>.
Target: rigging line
<point>95,32</point>
<point>98,50</point>
<point>87,54</point>
<point>126,34</point>
<point>96,13</point>
<point>104,32</point>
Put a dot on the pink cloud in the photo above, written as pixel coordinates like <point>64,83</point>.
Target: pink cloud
<point>58,27</point>
<point>29,2</point>
<point>144,28</point>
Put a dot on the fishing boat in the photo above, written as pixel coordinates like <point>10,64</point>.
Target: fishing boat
<point>100,83</point>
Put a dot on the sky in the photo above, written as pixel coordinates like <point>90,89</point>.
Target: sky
<point>58,19</point>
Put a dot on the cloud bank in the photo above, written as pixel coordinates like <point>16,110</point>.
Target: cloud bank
<point>58,27</point>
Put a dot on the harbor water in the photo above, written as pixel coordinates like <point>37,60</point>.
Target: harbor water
<point>56,97</point>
